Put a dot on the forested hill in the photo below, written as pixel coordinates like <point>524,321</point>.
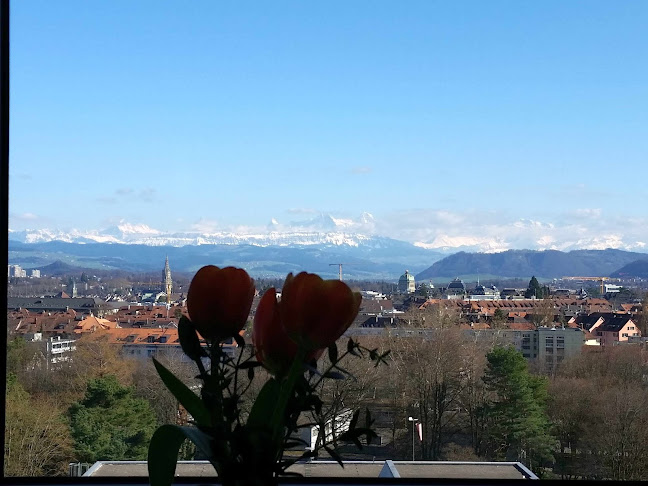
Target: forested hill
<point>525,263</point>
<point>638,268</point>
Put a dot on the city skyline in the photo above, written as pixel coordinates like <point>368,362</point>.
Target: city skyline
<point>499,124</point>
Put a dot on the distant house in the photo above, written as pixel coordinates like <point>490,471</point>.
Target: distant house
<point>144,343</point>
<point>456,289</point>
<point>92,324</point>
<point>62,302</point>
<point>376,306</point>
<point>379,321</point>
<point>616,330</point>
<point>510,293</point>
<point>609,328</point>
<point>481,292</point>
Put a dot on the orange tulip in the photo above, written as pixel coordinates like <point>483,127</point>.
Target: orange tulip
<point>316,312</point>
<point>219,301</point>
<point>274,349</point>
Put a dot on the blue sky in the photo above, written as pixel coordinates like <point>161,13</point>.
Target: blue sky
<point>524,123</point>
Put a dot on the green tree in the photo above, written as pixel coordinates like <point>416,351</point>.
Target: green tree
<point>517,424</point>
<point>499,318</point>
<point>111,423</point>
<point>534,289</point>
<point>423,290</point>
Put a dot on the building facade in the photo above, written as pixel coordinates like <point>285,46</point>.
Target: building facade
<point>406,283</point>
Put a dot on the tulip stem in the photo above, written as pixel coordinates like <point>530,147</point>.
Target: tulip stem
<point>236,373</point>
<point>287,386</point>
<point>214,389</point>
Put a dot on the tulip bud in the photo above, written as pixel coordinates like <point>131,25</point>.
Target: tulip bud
<point>274,349</point>
<point>219,301</point>
<point>316,312</point>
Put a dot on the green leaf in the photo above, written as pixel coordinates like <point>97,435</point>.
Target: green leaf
<point>264,404</point>
<point>249,364</point>
<point>347,373</point>
<point>368,420</point>
<point>202,440</point>
<point>184,395</point>
<point>189,341</point>
<point>294,442</point>
<point>292,474</point>
<point>333,353</point>
<point>334,455</point>
<point>334,375</point>
<point>354,420</point>
<point>163,454</point>
<point>312,370</point>
<point>352,435</point>
<point>351,347</point>
<point>164,447</point>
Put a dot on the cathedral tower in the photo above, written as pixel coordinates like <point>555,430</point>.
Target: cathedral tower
<point>166,278</point>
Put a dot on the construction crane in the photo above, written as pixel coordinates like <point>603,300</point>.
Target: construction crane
<point>597,279</point>
<point>340,267</point>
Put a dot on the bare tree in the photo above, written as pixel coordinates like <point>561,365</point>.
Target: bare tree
<point>37,439</point>
<point>148,384</point>
<point>597,406</point>
<point>431,368</point>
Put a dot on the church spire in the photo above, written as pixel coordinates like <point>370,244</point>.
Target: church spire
<point>166,278</point>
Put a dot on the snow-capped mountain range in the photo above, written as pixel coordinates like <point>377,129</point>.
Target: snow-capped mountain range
<point>325,231</point>
<point>144,235</point>
<point>445,233</point>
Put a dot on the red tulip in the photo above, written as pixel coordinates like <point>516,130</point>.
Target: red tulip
<point>274,349</point>
<point>316,312</point>
<point>219,301</point>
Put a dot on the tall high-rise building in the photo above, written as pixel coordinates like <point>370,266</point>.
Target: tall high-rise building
<point>166,279</point>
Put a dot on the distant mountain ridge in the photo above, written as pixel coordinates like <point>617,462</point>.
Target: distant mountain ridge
<point>316,246</point>
<point>375,259</point>
<point>526,263</point>
<point>638,269</point>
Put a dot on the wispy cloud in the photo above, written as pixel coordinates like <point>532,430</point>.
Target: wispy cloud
<point>28,216</point>
<point>146,194</point>
<point>302,211</point>
<point>24,217</point>
<point>482,230</point>
<point>361,170</point>
<point>205,226</point>
<point>593,213</point>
